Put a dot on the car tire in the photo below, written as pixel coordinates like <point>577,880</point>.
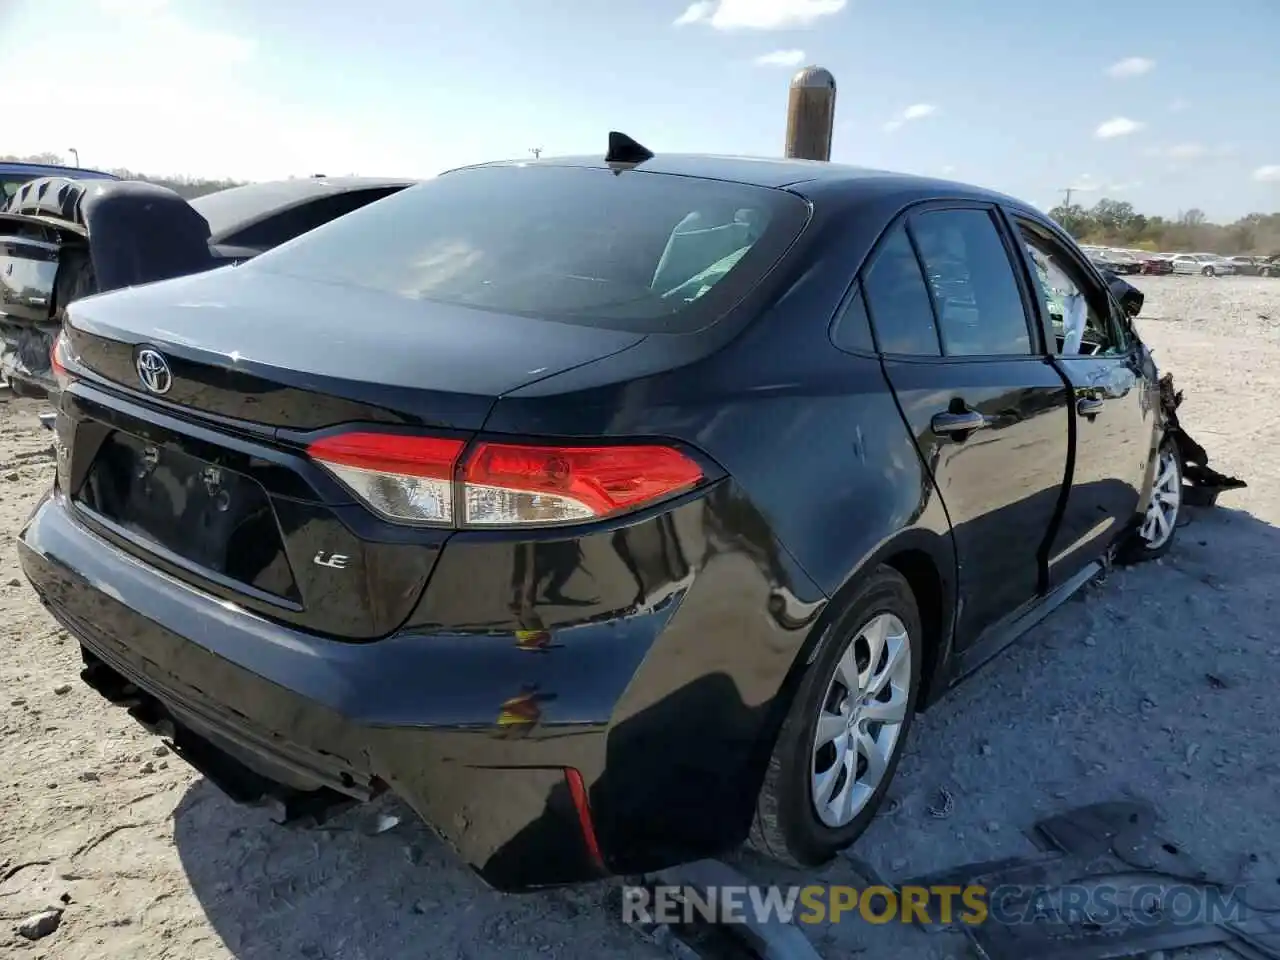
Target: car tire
<point>1208,271</point>
<point>813,802</point>
<point>1166,501</point>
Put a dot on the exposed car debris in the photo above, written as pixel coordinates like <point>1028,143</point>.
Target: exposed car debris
<point>1201,483</point>
<point>1048,902</point>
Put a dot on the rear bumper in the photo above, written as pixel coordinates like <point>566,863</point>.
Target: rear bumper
<point>484,736</point>
<point>317,715</point>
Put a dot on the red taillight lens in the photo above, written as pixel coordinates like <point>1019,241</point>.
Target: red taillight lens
<point>59,355</point>
<point>514,484</point>
<point>401,477</point>
<point>417,479</point>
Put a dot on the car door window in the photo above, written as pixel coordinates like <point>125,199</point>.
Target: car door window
<point>1081,312</point>
<point>975,290</point>
<point>898,299</point>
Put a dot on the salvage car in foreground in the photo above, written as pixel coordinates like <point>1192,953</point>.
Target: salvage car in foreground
<point>68,234</point>
<point>607,511</point>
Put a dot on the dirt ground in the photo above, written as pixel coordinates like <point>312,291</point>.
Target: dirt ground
<point>1159,683</point>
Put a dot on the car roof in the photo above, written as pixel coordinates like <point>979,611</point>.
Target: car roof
<point>235,208</point>
<point>801,176</point>
<point>33,170</point>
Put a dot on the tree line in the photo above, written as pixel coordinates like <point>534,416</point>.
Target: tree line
<point>1115,223</point>
<point>1112,223</point>
<point>186,187</point>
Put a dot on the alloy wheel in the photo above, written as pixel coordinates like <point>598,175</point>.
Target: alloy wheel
<point>1166,497</point>
<point>861,719</point>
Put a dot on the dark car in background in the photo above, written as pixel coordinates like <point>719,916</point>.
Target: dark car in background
<point>1255,266</point>
<point>1155,264</point>
<point>1116,262</point>
<point>14,173</point>
<point>66,234</point>
<point>608,511</point>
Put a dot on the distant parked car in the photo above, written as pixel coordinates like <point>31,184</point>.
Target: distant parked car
<point>1205,264</point>
<point>1256,266</point>
<point>1114,261</point>
<point>1156,264</point>
<point>14,174</point>
<point>1124,262</point>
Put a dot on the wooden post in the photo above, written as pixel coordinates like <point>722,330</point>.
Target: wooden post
<point>811,114</point>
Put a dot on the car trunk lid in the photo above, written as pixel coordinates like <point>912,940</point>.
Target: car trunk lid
<point>209,479</point>
<point>298,354</point>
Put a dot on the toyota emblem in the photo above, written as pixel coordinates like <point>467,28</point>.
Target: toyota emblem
<point>153,371</point>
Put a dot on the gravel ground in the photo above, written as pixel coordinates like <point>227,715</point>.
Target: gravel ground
<point>1158,683</point>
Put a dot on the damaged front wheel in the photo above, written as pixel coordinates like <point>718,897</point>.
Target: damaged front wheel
<point>1159,525</point>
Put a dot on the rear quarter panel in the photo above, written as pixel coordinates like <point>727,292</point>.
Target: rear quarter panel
<point>810,435</point>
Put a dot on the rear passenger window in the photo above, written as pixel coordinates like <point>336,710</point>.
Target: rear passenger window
<point>979,305</point>
<point>898,299</point>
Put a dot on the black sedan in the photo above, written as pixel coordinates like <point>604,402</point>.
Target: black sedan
<point>609,512</point>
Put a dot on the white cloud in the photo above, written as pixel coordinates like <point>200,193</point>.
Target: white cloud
<point>696,12</point>
<point>1131,67</point>
<point>781,58</point>
<point>1117,127</point>
<point>917,111</point>
<point>1268,174</point>
<point>1189,151</point>
<point>948,170</point>
<point>1085,183</point>
<point>1186,151</point>
<point>1177,106</point>
<point>133,8</point>
<point>209,117</point>
<point>758,14</point>
<point>1123,187</point>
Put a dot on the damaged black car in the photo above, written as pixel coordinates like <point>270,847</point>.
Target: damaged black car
<point>608,511</point>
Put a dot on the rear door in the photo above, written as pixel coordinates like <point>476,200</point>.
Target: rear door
<point>1114,404</point>
<point>988,410</point>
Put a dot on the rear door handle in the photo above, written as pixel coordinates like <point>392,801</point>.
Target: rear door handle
<point>952,423</point>
<point>1089,406</point>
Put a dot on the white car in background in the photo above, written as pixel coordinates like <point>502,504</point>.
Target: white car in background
<point>1206,264</point>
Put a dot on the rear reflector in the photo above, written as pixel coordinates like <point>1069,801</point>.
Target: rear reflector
<point>421,480</point>
<point>582,806</point>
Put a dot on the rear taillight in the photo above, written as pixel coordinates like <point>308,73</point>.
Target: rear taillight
<point>404,478</point>
<point>59,357</point>
<point>427,479</point>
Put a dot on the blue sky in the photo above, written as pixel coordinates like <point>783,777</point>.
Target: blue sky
<point>1168,104</point>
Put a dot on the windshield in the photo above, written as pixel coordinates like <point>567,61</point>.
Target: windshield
<point>626,251</point>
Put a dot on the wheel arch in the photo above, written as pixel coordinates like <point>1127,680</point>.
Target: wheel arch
<point>927,560</point>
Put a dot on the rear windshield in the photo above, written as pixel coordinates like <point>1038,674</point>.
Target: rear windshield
<point>625,251</point>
